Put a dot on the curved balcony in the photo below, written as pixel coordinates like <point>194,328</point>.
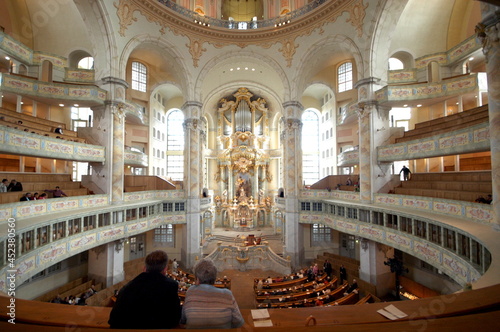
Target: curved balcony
<point>241,25</point>
<point>87,95</point>
<point>74,224</point>
<point>422,91</point>
<point>419,234</point>
<point>348,158</point>
<point>13,141</point>
<point>135,159</point>
<point>472,139</point>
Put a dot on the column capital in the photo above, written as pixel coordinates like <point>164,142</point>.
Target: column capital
<point>293,109</point>
<point>488,33</point>
<point>192,109</point>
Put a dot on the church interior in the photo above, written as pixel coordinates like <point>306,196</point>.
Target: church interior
<point>267,136</point>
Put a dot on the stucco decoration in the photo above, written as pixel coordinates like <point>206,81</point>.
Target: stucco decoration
<point>125,10</point>
<point>179,24</point>
<point>357,12</point>
<point>196,49</point>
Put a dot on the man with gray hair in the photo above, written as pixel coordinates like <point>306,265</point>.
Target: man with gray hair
<point>207,306</point>
<point>150,301</point>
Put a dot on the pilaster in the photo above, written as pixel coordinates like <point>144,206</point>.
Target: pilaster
<point>106,263</point>
<point>372,269</point>
<point>488,31</point>
<point>193,171</point>
<point>292,180</point>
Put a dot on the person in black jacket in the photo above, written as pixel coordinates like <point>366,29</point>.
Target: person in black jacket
<point>15,186</point>
<point>150,301</point>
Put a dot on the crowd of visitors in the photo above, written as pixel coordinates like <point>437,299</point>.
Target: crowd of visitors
<point>15,186</point>
<point>74,299</point>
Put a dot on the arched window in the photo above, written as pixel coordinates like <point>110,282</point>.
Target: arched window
<point>395,64</point>
<point>345,77</point>
<point>139,76</point>
<point>86,63</point>
<point>175,145</point>
<point>310,147</point>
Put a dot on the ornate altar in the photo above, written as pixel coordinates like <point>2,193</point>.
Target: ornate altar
<point>243,161</point>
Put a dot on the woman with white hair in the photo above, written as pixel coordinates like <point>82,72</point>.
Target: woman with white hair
<point>209,307</point>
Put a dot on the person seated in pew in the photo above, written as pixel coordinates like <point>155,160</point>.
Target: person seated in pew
<point>26,197</point>
<point>207,306</point>
<point>42,196</point>
<point>150,300</point>
<point>15,186</point>
<point>352,288</point>
<point>4,185</point>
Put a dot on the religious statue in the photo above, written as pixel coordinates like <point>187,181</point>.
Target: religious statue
<point>243,196</point>
<point>224,196</point>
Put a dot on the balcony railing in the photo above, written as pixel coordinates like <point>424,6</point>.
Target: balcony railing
<point>241,25</point>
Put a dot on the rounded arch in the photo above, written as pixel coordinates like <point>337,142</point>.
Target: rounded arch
<point>99,27</point>
<point>322,53</point>
<point>388,16</point>
<point>281,79</point>
<point>75,57</point>
<point>406,57</point>
<point>168,51</point>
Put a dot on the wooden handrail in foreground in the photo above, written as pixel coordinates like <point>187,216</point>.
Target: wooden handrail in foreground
<point>464,311</point>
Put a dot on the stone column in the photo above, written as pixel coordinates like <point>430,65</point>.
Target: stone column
<point>106,263</point>
<point>108,131</point>
<point>292,181</point>
<point>488,31</point>
<point>372,256</point>
<point>374,131</point>
<point>192,181</point>
<point>118,147</point>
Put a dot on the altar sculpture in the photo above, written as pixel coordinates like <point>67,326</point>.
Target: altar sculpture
<point>243,163</point>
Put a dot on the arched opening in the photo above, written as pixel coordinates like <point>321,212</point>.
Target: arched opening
<point>46,71</point>
<point>433,74</point>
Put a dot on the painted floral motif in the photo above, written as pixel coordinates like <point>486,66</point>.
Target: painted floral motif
<point>30,210</point>
<point>346,225</point>
<point>83,241</point>
<point>26,266</point>
<point>462,84</point>
<point>452,141</point>
<point>26,142</point>
<point>79,93</point>
<point>5,214</point>
<point>455,266</point>
<point>417,203</point>
<point>481,135</point>
<point>398,239</point>
<point>17,84</point>
<point>448,208</point>
<point>65,205</point>
<point>52,254</point>
<point>421,147</point>
<point>479,214</point>
<point>387,200</point>
<point>136,227</point>
<point>428,253</point>
<point>371,232</point>
<point>58,147</point>
<point>52,90</point>
<point>91,152</point>
<point>111,233</point>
